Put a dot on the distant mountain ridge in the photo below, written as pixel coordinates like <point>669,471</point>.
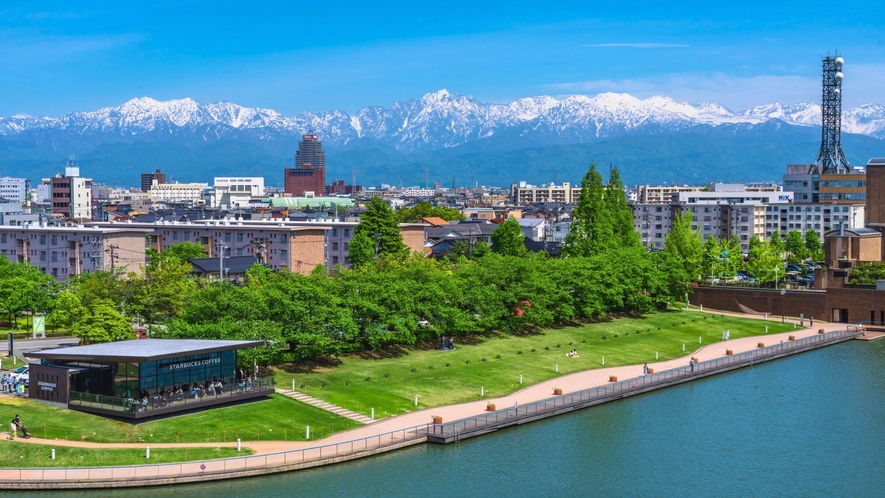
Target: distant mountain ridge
<point>454,137</point>
<point>440,119</point>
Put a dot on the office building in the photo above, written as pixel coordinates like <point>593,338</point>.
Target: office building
<point>14,189</point>
<point>309,173</point>
<point>522,193</point>
<point>234,192</point>
<point>71,194</point>
<point>178,193</point>
<point>148,180</point>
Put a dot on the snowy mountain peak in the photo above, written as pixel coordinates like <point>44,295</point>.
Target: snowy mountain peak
<point>439,119</point>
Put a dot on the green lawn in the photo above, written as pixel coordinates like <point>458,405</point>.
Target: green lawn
<point>279,418</point>
<point>14,455</point>
<point>446,377</point>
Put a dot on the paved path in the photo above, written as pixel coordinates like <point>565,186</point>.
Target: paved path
<point>329,407</point>
<point>568,383</point>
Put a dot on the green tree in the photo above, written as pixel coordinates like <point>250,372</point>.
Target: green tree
<point>711,259</point>
<point>361,250</point>
<point>763,261</point>
<point>508,239</point>
<point>24,288</point>
<point>795,247</point>
<point>182,252</point>
<point>427,210</point>
<point>777,242</point>
<point>68,310</point>
<point>625,234</point>
<point>685,243</point>
<point>813,247</point>
<point>102,323</point>
<point>381,226</point>
<point>591,227</point>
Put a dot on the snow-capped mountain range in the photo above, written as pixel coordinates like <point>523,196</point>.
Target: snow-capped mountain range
<point>437,120</point>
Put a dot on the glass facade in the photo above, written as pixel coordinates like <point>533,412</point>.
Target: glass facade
<point>127,380</point>
<point>185,371</point>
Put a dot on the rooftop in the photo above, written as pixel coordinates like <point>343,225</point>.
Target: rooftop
<point>141,350</point>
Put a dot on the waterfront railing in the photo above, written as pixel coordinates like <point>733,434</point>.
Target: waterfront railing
<point>498,418</point>
<point>222,468</point>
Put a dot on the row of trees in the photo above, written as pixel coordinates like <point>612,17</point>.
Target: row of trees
<point>724,257</point>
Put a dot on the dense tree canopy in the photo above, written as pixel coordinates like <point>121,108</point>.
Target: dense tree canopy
<point>379,230</point>
<point>591,232</point>
<point>427,210</point>
<point>508,239</point>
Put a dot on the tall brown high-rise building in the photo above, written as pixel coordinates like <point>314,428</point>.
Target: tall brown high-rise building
<point>309,173</point>
<point>875,189</point>
<point>147,179</point>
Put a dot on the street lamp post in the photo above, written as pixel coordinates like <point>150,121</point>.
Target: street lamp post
<point>783,309</point>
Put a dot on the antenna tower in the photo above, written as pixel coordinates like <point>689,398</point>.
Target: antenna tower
<point>831,158</point>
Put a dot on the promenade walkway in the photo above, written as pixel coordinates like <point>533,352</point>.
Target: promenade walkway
<point>402,430</point>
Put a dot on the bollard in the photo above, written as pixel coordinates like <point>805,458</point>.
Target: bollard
<point>416,400</point>
<point>603,361</point>
<point>683,346</point>
<point>293,384</point>
<point>307,432</point>
<point>482,392</point>
<point>238,445</point>
<point>373,414</point>
<point>656,355</point>
<point>147,452</point>
<point>766,329</point>
<point>794,325</point>
<point>699,339</point>
<point>53,453</point>
<point>520,379</point>
<point>556,368</point>
<point>766,316</point>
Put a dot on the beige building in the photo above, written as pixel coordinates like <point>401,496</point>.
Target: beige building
<point>63,251</point>
<point>176,193</point>
<point>295,246</point>
<point>522,193</point>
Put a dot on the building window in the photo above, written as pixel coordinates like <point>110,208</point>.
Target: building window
<point>284,253</point>
<point>334,246</point>
<point>347,232</point>
<point>227,237</point>
<point>174,235</point>
<point>334,232</point>
<point>239,237</point>
<point>284,238</point>
<point>239,252</point>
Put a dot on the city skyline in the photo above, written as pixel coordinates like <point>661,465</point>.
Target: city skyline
<point>346,55</point>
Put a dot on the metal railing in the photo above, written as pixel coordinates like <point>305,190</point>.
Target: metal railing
<point>231,390</point>
<point>619,389</point>
<point>213,469</point>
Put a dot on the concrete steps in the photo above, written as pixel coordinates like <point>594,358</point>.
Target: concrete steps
<point>329,407</point>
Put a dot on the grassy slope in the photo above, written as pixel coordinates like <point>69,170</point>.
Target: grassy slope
<point>461,381</point>
<point>31,455</point>
<point>277,419</point>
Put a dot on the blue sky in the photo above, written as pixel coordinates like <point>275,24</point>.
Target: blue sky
<point>59,57</point>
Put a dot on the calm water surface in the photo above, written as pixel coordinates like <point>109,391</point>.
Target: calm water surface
<point>808,425</point>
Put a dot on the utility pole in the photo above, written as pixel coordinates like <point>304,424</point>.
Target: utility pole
<point>220,247</point>
<point>112,250</point>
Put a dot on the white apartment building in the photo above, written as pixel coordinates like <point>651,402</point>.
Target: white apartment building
<point>234,192</point>
<point>522,193</point>
<point>14,189</point>
<point>174,193</point>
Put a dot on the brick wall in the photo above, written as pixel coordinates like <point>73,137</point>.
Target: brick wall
<point>809,303</point>
<point>413,237</point>
<point>307,251</point>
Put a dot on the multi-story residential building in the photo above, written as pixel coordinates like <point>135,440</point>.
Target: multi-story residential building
<point>295,246</point>
<point>71,194</point>
<point>178,193</point>
<point>14,189</point>
<point>818,217</point>
<point>522,193</point>
<point>811,186</point>
<point>230,192</point>
<point>661,194</point>
<point>148,180</point>
<point>309,173</point>
<point>63,251</point>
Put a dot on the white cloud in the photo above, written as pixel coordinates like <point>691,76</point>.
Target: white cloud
<point>635,45</point>
<point>861,86</point>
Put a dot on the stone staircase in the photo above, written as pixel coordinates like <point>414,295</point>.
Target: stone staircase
<point>329,407</point>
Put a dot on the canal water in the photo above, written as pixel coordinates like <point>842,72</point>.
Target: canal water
<point>807,425</point>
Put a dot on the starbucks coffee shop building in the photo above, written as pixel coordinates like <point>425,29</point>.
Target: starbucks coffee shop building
<point>144,378</point>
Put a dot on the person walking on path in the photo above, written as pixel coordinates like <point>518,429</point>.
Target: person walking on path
<point>691,364</point>
<point>645,369</point>
<point>811,322</point>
